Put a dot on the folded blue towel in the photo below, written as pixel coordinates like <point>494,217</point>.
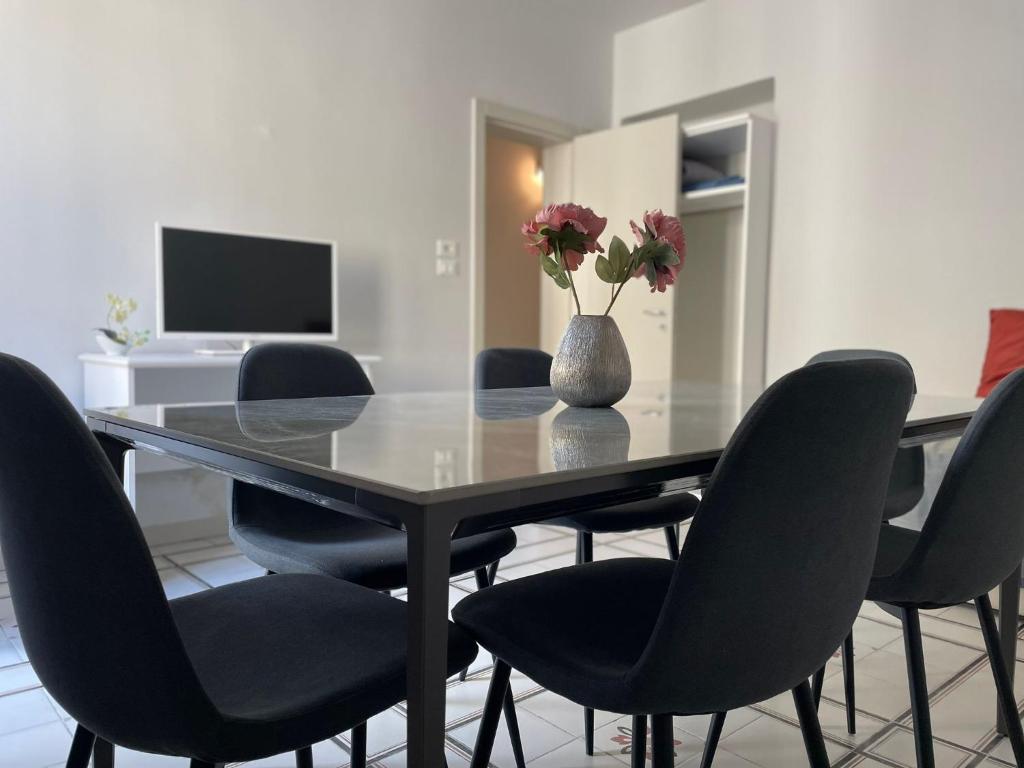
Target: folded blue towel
<point>725,181</point>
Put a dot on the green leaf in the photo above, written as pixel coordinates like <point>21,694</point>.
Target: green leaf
<point>618,254</point>
<point>605,270</point>
<point>664,255</point>
<point>652,274</point>
<point>554,271</point>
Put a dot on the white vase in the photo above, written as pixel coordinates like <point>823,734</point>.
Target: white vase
<point>109,346</point>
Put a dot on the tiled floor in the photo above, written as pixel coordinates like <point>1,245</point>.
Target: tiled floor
<point>34,731</point>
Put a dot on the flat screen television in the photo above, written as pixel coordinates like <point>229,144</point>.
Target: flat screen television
<point>239,287</point>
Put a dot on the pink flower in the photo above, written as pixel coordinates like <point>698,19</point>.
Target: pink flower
<point>577,231</point>
<point>665,230</point>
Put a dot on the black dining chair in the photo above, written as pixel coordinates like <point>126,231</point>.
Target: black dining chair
<point>906,487</point>
<point>769,580</point>
<point>514,368</point>
<point>236,673</point>
<point>971,541</point>
<point>288,535</point>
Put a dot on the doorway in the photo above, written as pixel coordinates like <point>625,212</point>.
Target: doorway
<point>507,151</point>
<point>514,192</point>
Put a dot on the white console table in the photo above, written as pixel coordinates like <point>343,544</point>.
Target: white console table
<point>146,378</point>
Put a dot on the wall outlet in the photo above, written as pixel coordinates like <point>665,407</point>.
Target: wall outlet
<point>446,258</point>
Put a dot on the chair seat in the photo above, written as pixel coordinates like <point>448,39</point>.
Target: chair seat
<point>290,660</point>
<point>546,625</point>
<point>308,539</point>
<point>659,512</point>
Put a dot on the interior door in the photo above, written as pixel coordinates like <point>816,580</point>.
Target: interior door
<point>620,173</point>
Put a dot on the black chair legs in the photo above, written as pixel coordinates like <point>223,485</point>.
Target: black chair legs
<point>663,752</point>
<point>918,688</point>
<point>512,721</point>
<point>848,684</point>
<point>814,741</point>
<point>102,754</point>
<point>304,757</point>
<point>492,711</point>
<point>711,744</point>
<point>1004,687</point>
<point>818,684</point>
<point>638,750</point>
<point>585,554</point>
<point>81,748</point>
<point>358,741</point>
<point>672,540</point>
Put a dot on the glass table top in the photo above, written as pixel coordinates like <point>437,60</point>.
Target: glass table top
<point>423,442</point>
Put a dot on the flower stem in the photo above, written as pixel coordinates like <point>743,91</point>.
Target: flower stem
<point>615,295</point>
<point>572,285</point>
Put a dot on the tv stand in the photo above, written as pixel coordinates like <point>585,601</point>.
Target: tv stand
<point>221,352</point>
<point>246,346</point>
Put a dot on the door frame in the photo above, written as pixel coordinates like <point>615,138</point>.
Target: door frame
<point>544,131</point>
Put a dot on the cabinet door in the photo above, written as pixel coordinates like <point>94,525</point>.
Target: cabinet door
<point>620,173</point>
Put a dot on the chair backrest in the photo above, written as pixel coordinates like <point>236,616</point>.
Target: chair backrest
<point>89,604</point>
<point>974,534</point>
<point>293,371</point>
<point>778,558</point>
<point>508,368</point>
<point>283,372</point>
<point>906,483</point>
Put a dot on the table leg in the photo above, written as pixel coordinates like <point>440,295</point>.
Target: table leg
<point>1009,607</point>
<point>429,552</point>
<point>115,451</point>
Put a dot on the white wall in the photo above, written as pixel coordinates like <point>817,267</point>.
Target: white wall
<point>899,163</point>
<point>344,120</point>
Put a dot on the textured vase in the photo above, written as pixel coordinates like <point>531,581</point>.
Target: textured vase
<point>591,369</point>
<point>589,437</point>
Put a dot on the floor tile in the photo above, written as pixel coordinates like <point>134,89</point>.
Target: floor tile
<point>200,555</point>
<point>773,743</point>
<point>36,747</point>
<point>227,570</point>
<point>177,583</point>
<point>539,738</point>
<point>19,711</point>
<point>899,746</point>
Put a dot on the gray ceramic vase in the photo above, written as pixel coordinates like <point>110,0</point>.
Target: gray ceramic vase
<point>589,437</point>
<point>591,369</point>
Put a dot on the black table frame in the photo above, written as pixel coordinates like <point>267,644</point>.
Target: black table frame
<point>431,526</point>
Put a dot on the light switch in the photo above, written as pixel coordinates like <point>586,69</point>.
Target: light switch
<point>446,254</point>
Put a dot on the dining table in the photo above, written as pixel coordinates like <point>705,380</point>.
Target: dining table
<point>439,465</point>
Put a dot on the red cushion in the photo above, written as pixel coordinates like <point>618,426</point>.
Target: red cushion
<point>1005,348</point>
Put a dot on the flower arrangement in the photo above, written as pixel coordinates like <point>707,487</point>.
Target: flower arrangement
<point>561,235</point>
<point>118,312</point>
<point>592,367</point>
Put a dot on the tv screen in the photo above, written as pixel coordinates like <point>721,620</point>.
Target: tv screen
<point>216,283</point>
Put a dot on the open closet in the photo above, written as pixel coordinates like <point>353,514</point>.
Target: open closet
<point>716,175</point>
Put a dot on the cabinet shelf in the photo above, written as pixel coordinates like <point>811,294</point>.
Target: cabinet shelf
<point>713,199</point>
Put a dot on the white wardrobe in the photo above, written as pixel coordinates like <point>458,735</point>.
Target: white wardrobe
<point>711,325</point>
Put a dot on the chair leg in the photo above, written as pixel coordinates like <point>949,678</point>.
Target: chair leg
<point>819,683</point>
<point>358,740</point>
<point>585,554</point>
<point>304,757</point>
<point>638,750</point>
<point>1004,687</point>
<point>848,684</point>
<point>102,754</point>
<point>194,763</point>
<point>672,540</point>
<point>492,711</point>
<point>918,688</point>
<point>81,748</point>
<point>663,753</point>
<point>814,741</point>
<point>714,734</point>
<point>508,706</point>
<point>492,573</point>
